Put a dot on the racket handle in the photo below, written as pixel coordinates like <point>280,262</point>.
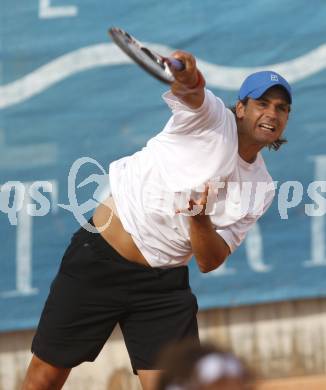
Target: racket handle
<point>176,64</point>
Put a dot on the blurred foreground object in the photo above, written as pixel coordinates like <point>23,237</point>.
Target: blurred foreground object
<point>189,366</point>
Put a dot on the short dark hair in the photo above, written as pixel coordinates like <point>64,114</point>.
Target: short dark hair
<point>274,145</point>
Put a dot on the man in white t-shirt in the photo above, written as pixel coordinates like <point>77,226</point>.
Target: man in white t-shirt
<point>195,189</point>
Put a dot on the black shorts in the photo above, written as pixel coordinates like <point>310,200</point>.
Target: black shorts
<point>95,289</point>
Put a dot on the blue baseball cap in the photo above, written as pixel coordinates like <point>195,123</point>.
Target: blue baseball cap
<point>258,83</point>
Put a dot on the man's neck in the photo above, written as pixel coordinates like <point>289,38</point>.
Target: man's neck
<point>248,151</point>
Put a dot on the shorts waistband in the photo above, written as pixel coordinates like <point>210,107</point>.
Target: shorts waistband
<point>176,276</point>
<point>101,244</point>
<point>104,247</point>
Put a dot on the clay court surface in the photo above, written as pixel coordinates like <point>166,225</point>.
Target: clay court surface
<point>306,383</point>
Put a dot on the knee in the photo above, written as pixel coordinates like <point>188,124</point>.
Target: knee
<point>43,376</point>
<point>39,381</point>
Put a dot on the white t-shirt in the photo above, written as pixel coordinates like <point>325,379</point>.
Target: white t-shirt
<point>196,146</point>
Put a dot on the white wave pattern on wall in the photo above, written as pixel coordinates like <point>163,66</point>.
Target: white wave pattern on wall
<point>223,77</point>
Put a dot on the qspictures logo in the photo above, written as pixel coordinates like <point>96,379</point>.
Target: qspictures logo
<point>36,197</point>
<point>289,194</point>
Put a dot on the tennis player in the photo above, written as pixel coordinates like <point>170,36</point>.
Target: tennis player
<point>181,195</point>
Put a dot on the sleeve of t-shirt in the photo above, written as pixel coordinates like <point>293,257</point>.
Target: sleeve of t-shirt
<point>185,120</point>
<point>234,234</point>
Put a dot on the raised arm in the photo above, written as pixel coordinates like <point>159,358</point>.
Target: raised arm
<point>189,83</point>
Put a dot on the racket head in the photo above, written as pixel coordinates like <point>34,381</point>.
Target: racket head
<point>150,61</point>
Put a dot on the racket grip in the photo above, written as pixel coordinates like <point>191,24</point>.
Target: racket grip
<point>176,64</point>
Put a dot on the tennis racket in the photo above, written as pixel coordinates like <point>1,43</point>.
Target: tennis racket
<point>152,62</point>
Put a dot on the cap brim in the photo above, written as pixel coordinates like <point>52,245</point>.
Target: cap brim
<point>257,93</point>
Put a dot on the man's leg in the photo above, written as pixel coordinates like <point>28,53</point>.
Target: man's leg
<point>148,378</point>
<point>79,315</point>
<point>162,310</point>
<point>43,376</point>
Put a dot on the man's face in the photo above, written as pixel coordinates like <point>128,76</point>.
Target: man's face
<point>262,121</point>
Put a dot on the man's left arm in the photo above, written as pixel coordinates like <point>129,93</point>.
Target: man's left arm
<point>209,248</point>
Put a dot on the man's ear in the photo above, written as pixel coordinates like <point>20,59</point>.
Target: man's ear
<point>240,109</point>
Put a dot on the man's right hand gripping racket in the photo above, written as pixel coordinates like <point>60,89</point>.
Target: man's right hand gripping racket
<point>155,64</point>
